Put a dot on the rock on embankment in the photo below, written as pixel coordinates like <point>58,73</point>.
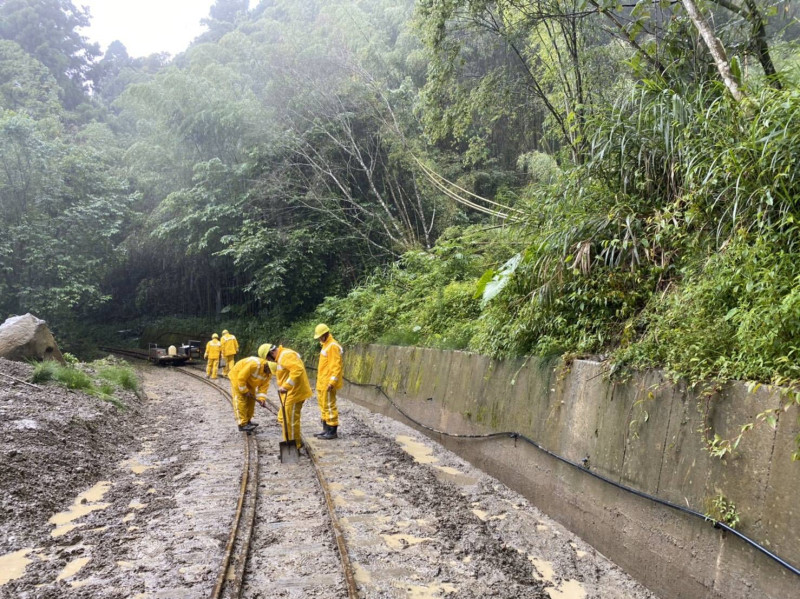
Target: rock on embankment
<point>28,338</point>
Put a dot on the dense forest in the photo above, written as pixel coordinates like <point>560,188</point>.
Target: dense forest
<point>515,177</point>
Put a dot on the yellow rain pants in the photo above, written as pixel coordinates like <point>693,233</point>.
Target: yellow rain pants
<point>293,415</point>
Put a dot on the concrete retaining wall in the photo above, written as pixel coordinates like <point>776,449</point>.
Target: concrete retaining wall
<point>643,434</point>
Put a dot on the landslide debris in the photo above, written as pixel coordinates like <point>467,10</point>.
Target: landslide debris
<point>54,443</point>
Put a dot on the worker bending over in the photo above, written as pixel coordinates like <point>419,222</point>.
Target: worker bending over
<point>293,382</point>
<point>330,377</point>
<point>213,350</point>
<point>249,383</point>
<point>230,347</point>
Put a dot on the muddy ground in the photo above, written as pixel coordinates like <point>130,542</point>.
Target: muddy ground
<point>52,442</point>
<point>99,502</point>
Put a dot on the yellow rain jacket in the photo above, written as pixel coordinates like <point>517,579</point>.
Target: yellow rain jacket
<point>213,349</point>
<point>230,346</point>
<point>331,368</point>
<point>291,374</point>
<point>250,376</point>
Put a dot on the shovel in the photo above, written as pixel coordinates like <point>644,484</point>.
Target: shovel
<point>289,452</point>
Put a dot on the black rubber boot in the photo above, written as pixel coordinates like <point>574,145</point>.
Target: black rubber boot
<point>331,434</point>
<point>324,430</point>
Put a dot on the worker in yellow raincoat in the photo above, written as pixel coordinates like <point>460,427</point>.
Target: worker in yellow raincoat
<point>292,384</point>
<point>213,351</point>
<point>330,376</point>
<point>249,383</point>
<point>230,347</point>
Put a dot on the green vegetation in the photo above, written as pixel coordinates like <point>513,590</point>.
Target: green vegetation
<point>69,376</point>
<point>102,378</point>
<point>721,509</point>
<point>515,178</point>
<point>704,282</point>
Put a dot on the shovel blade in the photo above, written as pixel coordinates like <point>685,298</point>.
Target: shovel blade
<point>289,453</point>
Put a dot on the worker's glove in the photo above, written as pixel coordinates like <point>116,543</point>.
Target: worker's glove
<point>283,390</point>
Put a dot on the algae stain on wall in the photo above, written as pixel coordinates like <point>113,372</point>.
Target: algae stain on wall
<point>359,367</point>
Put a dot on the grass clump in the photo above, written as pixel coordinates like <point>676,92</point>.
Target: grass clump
<point>104,381</point>
<point>44,372</point>
<point>69,376</point>
<point>121,375</point>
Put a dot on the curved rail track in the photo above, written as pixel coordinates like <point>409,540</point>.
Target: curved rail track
<point>230,578</point>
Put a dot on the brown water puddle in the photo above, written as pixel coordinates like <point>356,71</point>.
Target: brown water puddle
<point>399,542</point>
<point>12,565</point>
<point>422,454</point>
<point>569,589</point>
<point>85,503</point>
<point>428,592</point>
<point>566,589</point>
<point>485,517</point>
<point>544,570</point>
<point>72,568</point>
<point>135,465</point>
<point>454,476</point>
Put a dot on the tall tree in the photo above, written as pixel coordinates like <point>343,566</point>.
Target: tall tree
<point>48,31</point>
<point>26,85</point>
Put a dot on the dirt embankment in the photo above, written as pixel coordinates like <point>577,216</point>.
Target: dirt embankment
<point>54,443</point>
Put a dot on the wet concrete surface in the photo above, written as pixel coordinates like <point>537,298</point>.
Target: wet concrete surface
<point>152,507</point>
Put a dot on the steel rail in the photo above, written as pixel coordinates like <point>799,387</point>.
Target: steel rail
<point>344,556</point>
<point>248,487</point>
<point>244,519</point>
<point>341,544</point>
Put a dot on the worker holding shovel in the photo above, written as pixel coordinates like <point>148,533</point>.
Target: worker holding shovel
<point>249,383</point>
<point>293,386</point>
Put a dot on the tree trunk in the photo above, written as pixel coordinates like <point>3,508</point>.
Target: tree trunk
<point>759,41</point>
<point>715,47</point>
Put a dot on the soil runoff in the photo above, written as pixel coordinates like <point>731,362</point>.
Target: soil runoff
<point>97,503</point>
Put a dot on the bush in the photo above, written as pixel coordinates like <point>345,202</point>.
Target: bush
<point>426,298</point>
<point>73,378</point>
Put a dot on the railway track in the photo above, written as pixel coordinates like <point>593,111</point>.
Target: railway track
<point>231,573</point>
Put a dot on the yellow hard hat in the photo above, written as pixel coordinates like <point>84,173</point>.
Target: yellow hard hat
<point>264,349</point>
<point>225,332</point>
<point>215,336</point>
<point>273,366</point>
<point>320,330</point>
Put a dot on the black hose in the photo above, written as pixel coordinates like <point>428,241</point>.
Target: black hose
<point>515,436</point>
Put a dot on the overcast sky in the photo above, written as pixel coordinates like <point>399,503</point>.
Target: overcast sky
<point>146,26</point>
